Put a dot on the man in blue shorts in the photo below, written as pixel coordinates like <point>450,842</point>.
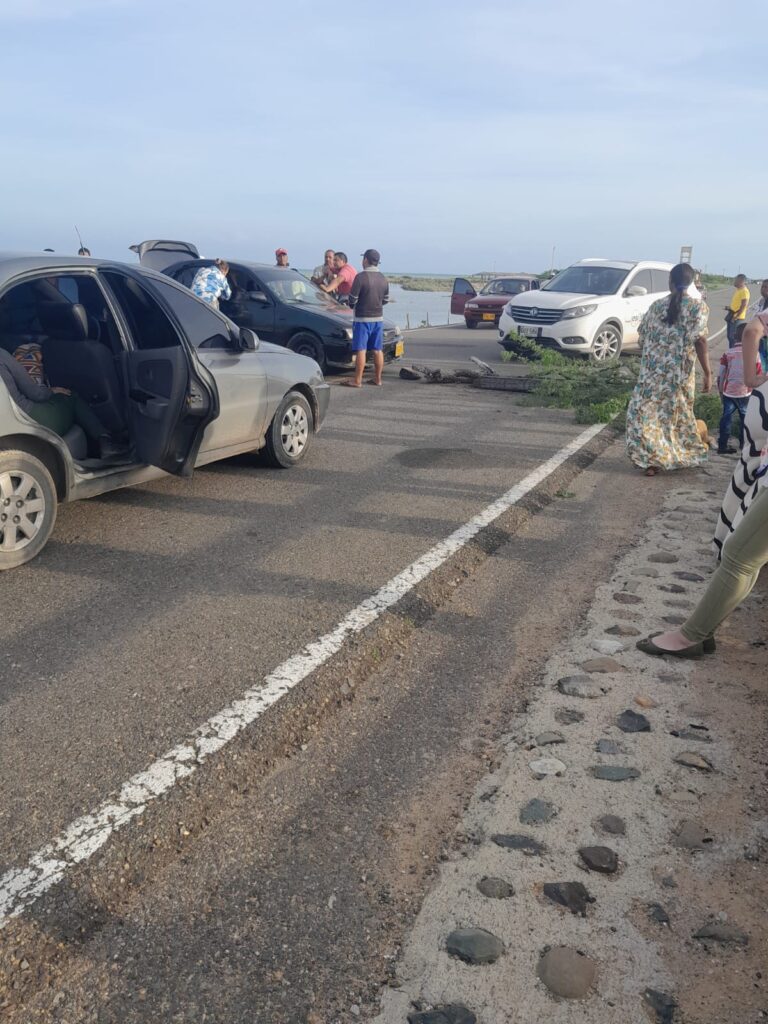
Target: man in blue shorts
<point>369,293</point>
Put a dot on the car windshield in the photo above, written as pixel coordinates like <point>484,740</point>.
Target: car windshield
<point>505,286</point>
<point>588,280</point>
<point>290,286</point>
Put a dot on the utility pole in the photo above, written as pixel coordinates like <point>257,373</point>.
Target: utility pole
<point>552,262</point>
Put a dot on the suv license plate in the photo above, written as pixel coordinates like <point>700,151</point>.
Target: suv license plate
<point>529,330</point>
<point>488,316</point>
<point>399,349</point>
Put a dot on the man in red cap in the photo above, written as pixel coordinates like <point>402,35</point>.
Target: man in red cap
<point>281,258</point>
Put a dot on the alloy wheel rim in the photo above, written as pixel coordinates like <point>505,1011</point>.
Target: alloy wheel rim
<point>606,344</point>
<point>22,510</point>
<point>294,430</point>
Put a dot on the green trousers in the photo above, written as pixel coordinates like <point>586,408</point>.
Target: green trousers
<point>61,412</point>
<point>744,554</point>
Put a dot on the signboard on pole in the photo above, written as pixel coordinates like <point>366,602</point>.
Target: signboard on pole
<point>686,253</point>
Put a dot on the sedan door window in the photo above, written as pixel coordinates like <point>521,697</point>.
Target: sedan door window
<point>202,325</point>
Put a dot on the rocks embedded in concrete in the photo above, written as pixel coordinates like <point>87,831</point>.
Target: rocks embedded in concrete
<point>453,1013</point>
<point>690,759</point>
<point>613,772</point>
<point>495,888</point>
<point>662,1004</point>
<point>658,914</point>
<point>607,647</point>
<point>647,570</point>
<point>672,588</point>
<point>602,859</point>
<point>692,577</point>
<point>525,844</point>
<point>538,812</point>
<point>571,895</point>
<point>602,665</point>
<point>567,972</point>
<point>547,739</point>
<point>474,946</point>
<point>567,716</point>
<point>608,747</point>
<point>690,835</point>
<point>612,824</point>
<point>676,602</point>
<point>633,721</point>
<point>720,931</point>
<point>663,557</point>
<point>620,630</point>
<point>624,613</point>
<point>580,686</point>
<point>621,597</point>
<point>644,701</point>
<point>544,766</point>
<point>673,620</point>
<point>699,735</point>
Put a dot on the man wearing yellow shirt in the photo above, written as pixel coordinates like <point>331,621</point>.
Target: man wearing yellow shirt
<point>737,311</point>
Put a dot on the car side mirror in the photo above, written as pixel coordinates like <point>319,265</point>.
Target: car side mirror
<point>636,290</point>
<point>258,297</point>
<point>249,340</point>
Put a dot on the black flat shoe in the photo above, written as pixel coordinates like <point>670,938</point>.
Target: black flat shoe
<point>647,646</point>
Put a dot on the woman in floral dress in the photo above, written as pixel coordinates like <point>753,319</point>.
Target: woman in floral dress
<point>661,428</point>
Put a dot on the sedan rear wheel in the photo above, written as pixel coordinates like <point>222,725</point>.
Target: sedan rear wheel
<point>290,432</point>
<point>27,507</point>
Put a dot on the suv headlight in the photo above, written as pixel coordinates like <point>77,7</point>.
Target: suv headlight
<point>348,333</point>
<point>575,311</point>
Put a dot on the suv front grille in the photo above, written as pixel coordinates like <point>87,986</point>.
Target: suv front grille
<point>534,315</point>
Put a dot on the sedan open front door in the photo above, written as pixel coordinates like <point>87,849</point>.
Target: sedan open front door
<point>170,397</point>
<point>463,291</point>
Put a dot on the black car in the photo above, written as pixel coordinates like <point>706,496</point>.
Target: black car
<point>279,303</point>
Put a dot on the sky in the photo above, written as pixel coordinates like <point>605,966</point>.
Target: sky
<point>453,137</point>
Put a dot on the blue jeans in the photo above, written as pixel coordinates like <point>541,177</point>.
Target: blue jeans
<point>730,406</point>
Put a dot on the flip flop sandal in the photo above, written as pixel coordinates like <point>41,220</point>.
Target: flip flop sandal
<point>647,646</point>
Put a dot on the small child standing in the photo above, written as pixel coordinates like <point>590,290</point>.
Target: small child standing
<point>734,393</point>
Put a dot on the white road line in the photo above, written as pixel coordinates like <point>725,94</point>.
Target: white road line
<point>22,886</point>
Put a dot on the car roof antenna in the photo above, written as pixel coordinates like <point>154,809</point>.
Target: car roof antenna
<point>80,240</point>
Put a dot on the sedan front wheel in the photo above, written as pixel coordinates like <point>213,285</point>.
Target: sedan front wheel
<point>290,432</point>
<point>27,507</point>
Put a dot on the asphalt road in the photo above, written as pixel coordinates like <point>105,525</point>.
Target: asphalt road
<point>275,884</point>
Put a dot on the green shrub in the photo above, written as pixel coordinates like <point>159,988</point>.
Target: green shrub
<point>709,408</point>
<point>519,349</point>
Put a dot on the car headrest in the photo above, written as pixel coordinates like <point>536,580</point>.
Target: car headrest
<point>66,321</point>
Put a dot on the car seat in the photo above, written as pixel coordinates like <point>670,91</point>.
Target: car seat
<point>72,360</point>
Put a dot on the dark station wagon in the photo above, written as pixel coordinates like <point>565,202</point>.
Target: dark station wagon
<point>281,305</point>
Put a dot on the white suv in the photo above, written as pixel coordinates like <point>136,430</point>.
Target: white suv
<point>593,307</point>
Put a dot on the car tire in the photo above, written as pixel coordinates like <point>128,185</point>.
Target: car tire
<point>306,344</point>
<point>290,432</point>
<point>471,324</point>
<point>28,506</point>
<point>606,344</point>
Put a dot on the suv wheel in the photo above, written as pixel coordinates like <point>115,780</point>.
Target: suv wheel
<point>606,344</point>
<point>306,344</point>
<point>290,432</point>
<point>472,324</point>
<point>28,505</point>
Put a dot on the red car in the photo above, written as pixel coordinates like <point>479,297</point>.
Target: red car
<point>487,306</point>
